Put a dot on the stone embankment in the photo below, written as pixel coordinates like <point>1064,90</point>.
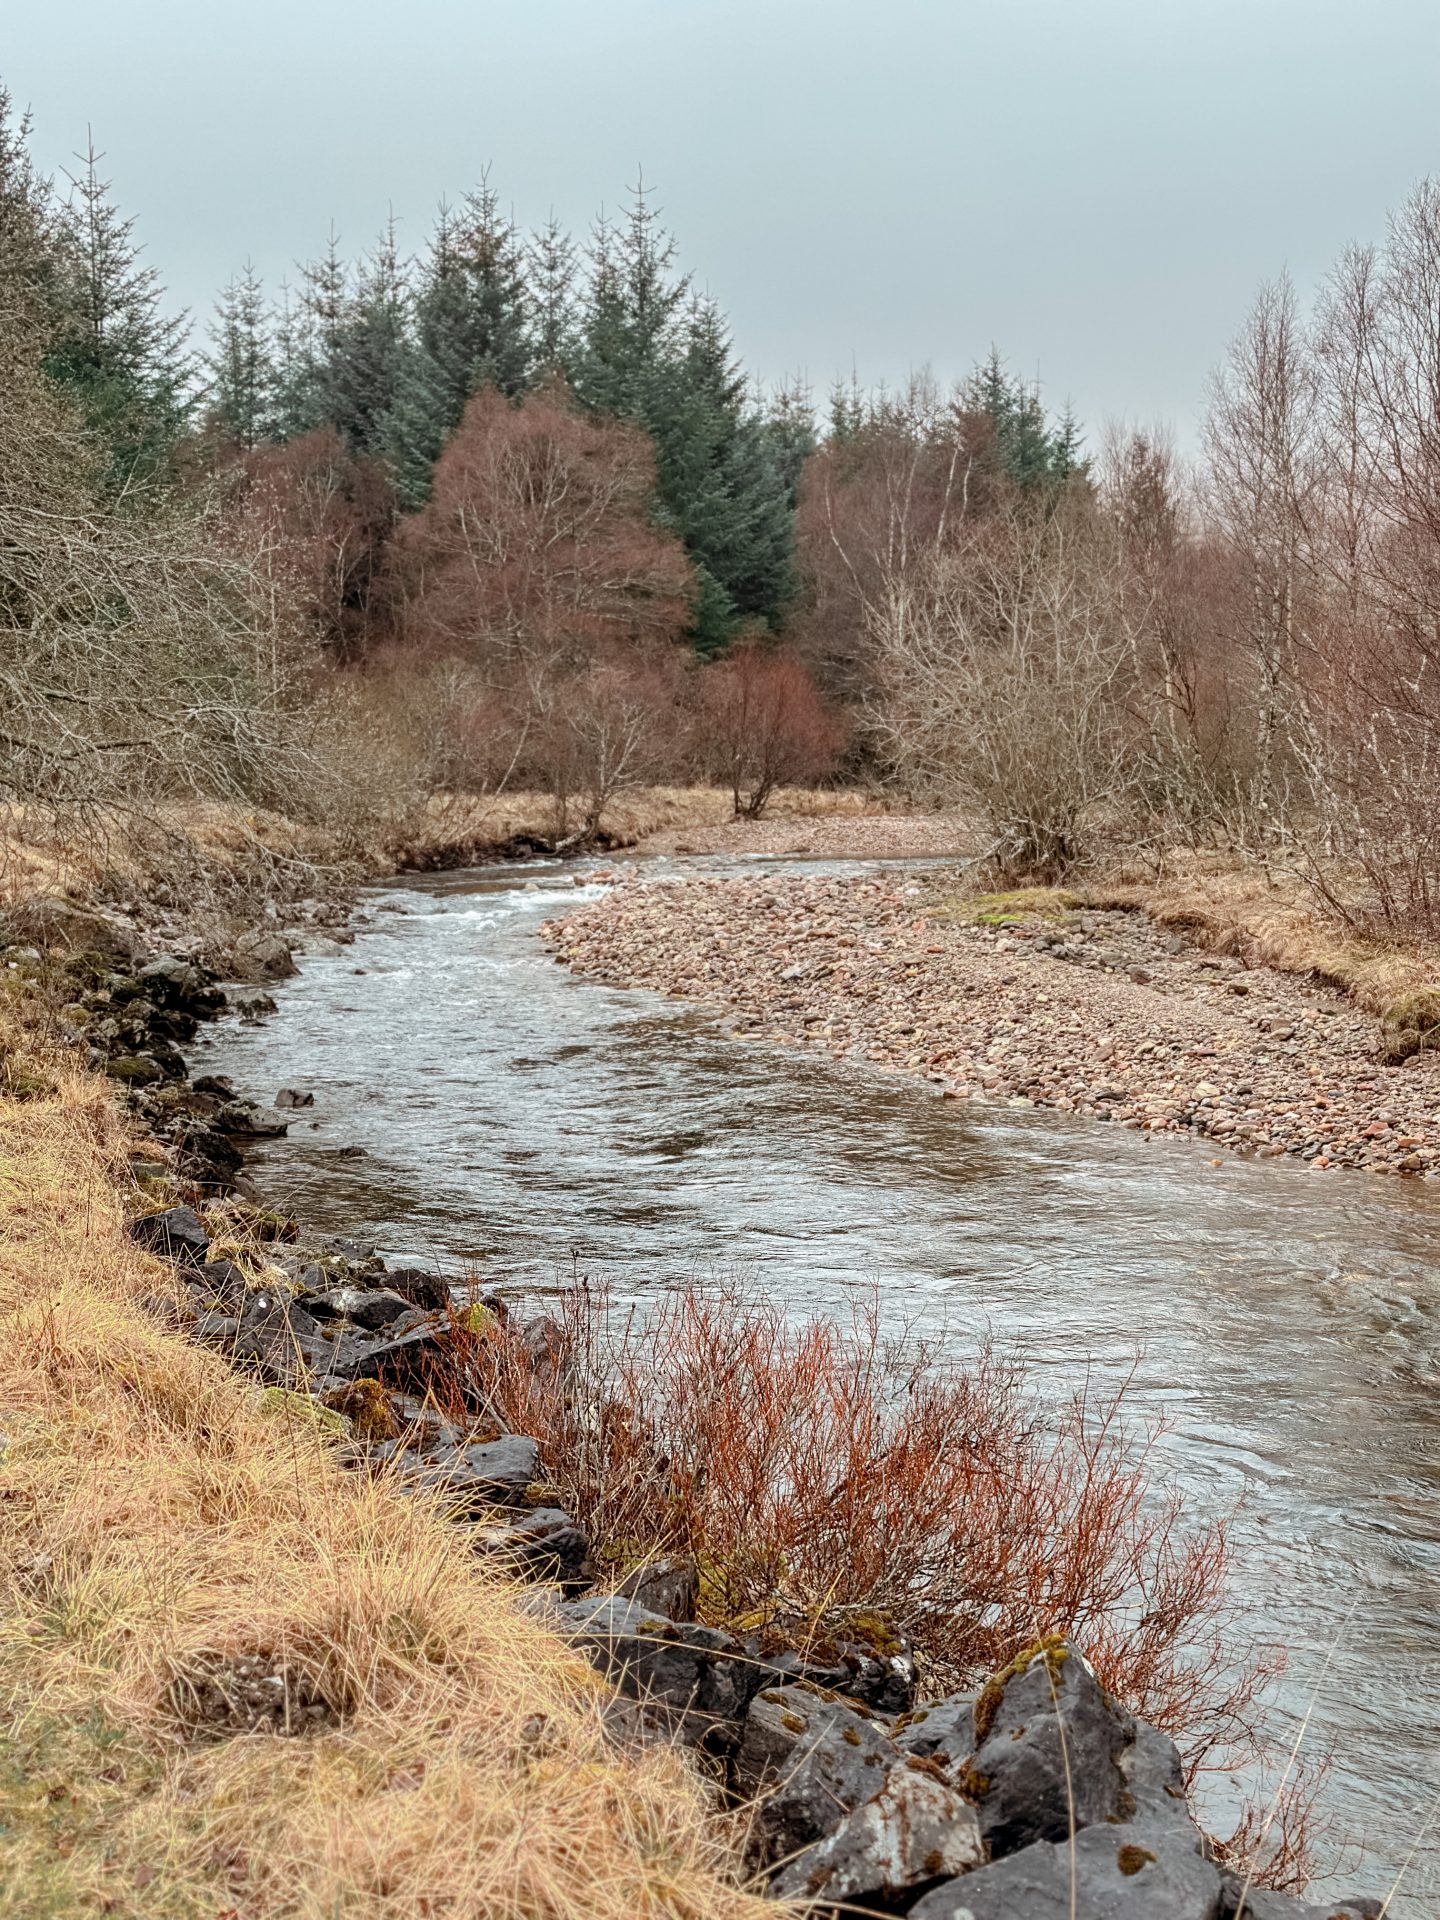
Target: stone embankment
<point>1099,1013</point>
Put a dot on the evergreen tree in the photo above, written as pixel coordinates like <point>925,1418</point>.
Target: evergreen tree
<point>28,266</point>
<point>551,275</point>
<point>242,371</point>
<point>471,329</point>
<point>1067,461</point>
<point>370,351</point>
<point>651,353</point>
<point>114,349</point>
<point>1028,451</point>
<point>790,423</point>
<point>310,336</point>
<point>848,411</point>
<point>632,331</point>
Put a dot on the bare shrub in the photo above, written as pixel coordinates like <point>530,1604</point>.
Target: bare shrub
<point>613,726</point>
<point>764,725</point>
<point>1004,667</point>
<point>807,1466</point>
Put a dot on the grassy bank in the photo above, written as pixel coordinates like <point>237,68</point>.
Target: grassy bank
<point>186,1573</point>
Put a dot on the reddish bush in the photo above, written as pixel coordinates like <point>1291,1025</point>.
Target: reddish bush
<point>537,544</point>
<point>806,1466</point>
<point>764,726</point>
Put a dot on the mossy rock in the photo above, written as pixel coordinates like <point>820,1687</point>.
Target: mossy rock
<point>24,1083</point>
<point>1052,1649</point>
<point>280,1403</point>
<point>1410,1025</point>
<point>134,1070</point>
<point>477,1319</point>
<point>367,1407</point>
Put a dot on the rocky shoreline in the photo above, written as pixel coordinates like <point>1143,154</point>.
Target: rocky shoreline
<point>1093,1012</point>
<point>1035,1796</point>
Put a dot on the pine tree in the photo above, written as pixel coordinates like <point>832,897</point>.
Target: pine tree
<point>242,371</point>
<point>116,351</point>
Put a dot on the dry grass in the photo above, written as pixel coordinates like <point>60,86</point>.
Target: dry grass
<point>479,826</point>
<point>1274,918</point>
<point>158,1525</point>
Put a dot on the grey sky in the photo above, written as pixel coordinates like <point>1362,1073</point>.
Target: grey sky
<point>1096,186</point>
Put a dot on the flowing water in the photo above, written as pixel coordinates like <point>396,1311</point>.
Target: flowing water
<point>477,1106</point>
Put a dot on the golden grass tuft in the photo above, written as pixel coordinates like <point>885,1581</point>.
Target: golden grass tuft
<point>159,1518</point>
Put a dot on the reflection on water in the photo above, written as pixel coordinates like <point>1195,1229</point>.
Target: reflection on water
<point>1288,1323</point>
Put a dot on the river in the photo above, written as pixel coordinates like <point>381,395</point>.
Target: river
<point>478,1108</point>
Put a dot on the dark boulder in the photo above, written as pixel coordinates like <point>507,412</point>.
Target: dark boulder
<point>178,1233</point>
<point>222,1284</point>
<point>856,1653</point>
<point>543,1543</point>
<point>471,1479</point>
<point>1239,1902</point>
<point>806,1759</point>
<point>179,986</point>
<point>135,1069</point>
<point>1104,1873</point>
<point>1049,1742</point>
<point>59,926</point>
<point>407,1360</point>
<point>944,1730</point>
<point>916,1830</point>
<point>280,1343</point>
<point>289,1098</point>
<point>695,1680</point>
<point>420,1287</point>
<point>260,955</point>
<point>245,1120</point>
<point>372,1308</point>
<point>669,1587</point>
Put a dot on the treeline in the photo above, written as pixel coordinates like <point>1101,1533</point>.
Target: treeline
<point>386,354</point>
<point>1135,650</point>
<point>511,514</point>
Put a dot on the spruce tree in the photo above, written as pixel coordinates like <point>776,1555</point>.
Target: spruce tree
<point>28,264</point>
<point>370,351</point>
<point>470,329</point>
<point>114,349</point>
<point>311,336</point>
<point>551,267</point>
<point>242,372</point>
<point>653,353</point>
<point>1031,454</point>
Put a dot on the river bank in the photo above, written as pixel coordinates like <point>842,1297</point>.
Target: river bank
<point>298,1326</point>
<point>245,1694</point>
<point>1036,999</point>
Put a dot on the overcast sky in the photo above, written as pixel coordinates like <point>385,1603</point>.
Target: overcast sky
<point>1095,185</point>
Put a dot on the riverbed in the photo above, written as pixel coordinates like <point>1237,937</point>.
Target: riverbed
<point>478,1108</point>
